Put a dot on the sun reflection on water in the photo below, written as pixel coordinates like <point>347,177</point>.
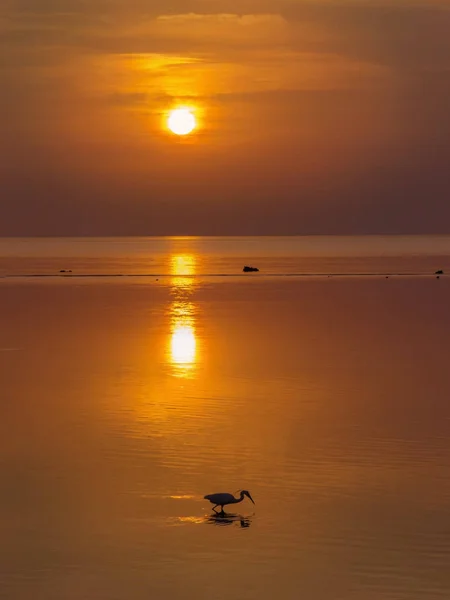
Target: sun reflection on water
<point>183,345</point>
<point>183,339</point>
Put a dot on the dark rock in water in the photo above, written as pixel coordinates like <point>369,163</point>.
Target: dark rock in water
<point>247,269</point>
<point>440,272</point>
<point>438,277</point>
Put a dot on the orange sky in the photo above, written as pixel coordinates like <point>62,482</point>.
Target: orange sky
<point>314,116</point>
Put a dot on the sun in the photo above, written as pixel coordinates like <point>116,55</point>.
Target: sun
<point>181,121</point>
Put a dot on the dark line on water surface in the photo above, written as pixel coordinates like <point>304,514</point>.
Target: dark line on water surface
<point>209,275</point>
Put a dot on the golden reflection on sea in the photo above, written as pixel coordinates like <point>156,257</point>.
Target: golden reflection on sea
<point>182,351</point>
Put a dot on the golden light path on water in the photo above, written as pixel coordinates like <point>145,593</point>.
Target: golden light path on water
<point>183,340</point>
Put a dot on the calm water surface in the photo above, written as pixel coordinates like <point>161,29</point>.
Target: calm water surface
<point>125,401</point>
<point>225,255</point>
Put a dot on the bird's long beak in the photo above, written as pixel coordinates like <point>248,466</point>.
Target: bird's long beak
<point>248,494</point>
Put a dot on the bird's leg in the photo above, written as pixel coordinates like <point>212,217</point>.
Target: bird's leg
<point>222,512</point>
<point>214,508</point>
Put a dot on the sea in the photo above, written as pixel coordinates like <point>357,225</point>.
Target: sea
<point>138,375</point>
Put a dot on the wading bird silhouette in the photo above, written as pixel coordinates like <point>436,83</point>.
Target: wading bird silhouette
<point>223,499</point>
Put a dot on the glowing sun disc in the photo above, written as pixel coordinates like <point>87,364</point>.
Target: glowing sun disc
<point>181,121</point>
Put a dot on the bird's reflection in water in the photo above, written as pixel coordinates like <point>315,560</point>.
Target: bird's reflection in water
<point>222,519</point>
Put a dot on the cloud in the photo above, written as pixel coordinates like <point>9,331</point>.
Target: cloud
<point>242,20</point>
<point>405,35</point>
<point>222,29</point>
<point>408,36</point>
